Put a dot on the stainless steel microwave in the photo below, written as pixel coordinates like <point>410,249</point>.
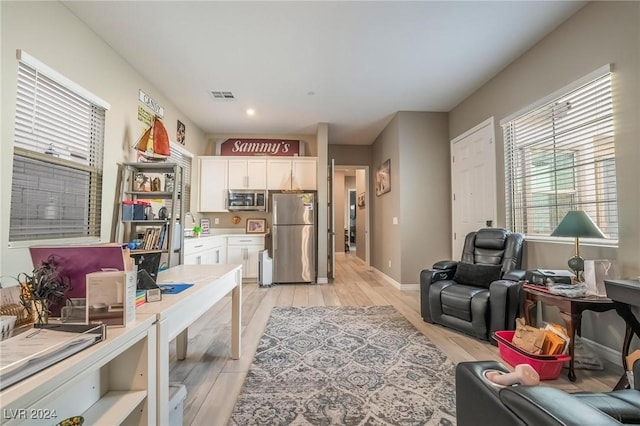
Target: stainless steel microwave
<point>243,199</point>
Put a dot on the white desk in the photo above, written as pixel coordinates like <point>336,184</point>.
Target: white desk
<point>177,311</point>
<point>111,382</point>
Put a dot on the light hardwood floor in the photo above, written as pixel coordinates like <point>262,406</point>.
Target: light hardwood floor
<point>213,380</point>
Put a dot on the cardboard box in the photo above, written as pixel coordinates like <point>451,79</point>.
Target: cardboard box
<point>111,297</point>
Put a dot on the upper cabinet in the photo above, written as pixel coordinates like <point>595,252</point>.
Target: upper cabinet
<point>248,173</point>
<point>212,184</point>
<point>292,174</point>
<point>218,174</point>
<point>305,173</point>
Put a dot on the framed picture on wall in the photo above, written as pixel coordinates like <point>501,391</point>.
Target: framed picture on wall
<point>360,200</point>
<point>181,132</point>
<point>256,226</point>
<point>383,178</point>
<point>206,226</point>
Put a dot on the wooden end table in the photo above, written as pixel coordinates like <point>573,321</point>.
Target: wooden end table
<point>571,309</point>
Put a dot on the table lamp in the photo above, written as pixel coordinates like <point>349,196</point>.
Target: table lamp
<point>577,223</point>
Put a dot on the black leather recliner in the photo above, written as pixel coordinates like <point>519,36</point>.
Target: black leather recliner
<point>479,294</point>
<point>480,402</point>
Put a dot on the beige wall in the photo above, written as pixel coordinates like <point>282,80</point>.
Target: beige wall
<point>386,246</point>
<point>50,33</point>
<point>425,192</point>
<point>600,33</point>
<point>351,155</point>
<point>418,146</point>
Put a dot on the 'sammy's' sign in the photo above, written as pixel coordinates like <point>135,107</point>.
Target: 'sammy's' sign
<point>264,147</point>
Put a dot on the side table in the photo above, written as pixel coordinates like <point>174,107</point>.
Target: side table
<point>625,293</point>
<point>571,309</point>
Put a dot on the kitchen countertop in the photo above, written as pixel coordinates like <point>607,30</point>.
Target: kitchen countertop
<point>224,232</point>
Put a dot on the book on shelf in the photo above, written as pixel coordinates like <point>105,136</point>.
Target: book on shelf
<point>155,238</point>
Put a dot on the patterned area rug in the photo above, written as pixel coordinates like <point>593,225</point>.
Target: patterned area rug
<point>339,365</point>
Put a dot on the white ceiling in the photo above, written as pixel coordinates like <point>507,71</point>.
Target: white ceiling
<point>351,64</point>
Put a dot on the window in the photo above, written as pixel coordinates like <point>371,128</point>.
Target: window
<point>559,156</point>
<point>56,188</point>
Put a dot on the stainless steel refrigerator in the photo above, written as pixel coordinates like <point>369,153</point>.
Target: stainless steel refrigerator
<point>293,229</point>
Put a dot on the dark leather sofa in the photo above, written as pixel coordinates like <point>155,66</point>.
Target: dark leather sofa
<point>479,402</point>
<point>479,294</point>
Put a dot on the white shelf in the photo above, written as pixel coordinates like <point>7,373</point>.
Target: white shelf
<point>114,407</point>
<point>115,375</point>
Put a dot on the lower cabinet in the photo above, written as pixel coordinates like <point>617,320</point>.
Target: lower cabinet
<point>205,251</point>
<point>244,250</point>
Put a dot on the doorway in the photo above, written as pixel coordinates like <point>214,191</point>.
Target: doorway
<point>350,211</point>
<point>350,220</point>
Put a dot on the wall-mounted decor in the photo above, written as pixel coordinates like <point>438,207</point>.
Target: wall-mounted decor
<point>256,226</point>
<point>361,199</point>
<point>264,147</point>
<point>180,132</point>
<point>205,225</point>
<point>383,178</point>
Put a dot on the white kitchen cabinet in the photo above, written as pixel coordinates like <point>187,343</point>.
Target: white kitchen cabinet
<point>278,173</point>
<point>305,173</point>
<point>212,184</point>
<point>205,251</point>
<point>244,250</point>
<point>219,251</point>
<point>292,173</point>
<point>247,173</point>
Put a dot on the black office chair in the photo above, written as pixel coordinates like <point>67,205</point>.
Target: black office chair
<point>479,294</point>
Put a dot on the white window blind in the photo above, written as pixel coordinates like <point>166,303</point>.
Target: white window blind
<point>183,158</point>
<point>57,160</point>
<point>560,156</point>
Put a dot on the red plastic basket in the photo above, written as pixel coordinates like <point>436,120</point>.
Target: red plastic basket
<point>547,366</point>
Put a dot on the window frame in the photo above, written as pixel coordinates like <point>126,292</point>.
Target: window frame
<point>599,166</point>
<point>96,102</point>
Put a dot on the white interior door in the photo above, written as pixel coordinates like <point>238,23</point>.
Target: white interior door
<point>473,182</point>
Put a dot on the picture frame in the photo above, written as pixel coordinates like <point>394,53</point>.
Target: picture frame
<point>181,131</point>
<point>383,178</point>
<point>205,225</point>
<point>256,226</point>
<point>360,200</point>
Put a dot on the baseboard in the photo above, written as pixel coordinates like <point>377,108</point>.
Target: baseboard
<point>394,283</point>
<point>605,352</point>
<point>322,280</point>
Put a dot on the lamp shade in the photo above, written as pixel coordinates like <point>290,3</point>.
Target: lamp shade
<point>577,223</point>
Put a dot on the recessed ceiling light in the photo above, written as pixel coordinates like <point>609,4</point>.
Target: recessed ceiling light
<point>251,112</point>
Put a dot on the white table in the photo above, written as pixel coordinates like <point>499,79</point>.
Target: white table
<point>176,312</point>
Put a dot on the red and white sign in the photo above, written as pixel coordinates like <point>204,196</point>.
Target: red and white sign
<point>264,147</point>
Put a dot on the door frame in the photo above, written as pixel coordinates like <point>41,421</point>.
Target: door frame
<point>367,237</point>
<point>488,122</point>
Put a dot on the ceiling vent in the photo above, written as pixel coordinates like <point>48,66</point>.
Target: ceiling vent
<point>222,96</point>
